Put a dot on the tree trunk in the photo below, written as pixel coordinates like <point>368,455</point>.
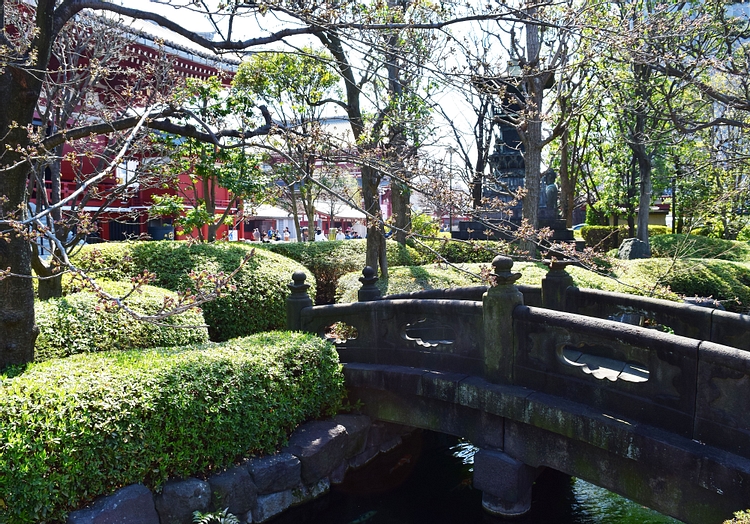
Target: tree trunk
<point>18,330</point>
<point>400,196</point>
<point>567,184</point>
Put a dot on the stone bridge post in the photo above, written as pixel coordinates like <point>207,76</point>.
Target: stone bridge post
<point>554,284</point>
<point>297,300</point>
<point>498,304</point>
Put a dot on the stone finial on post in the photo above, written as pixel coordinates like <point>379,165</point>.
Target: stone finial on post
<point>498,304</point>
<point>297,300</point>
<point>554,284</point>
<point>369,291</point>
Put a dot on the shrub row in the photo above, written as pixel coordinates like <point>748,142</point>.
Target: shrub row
<point>76,428</point>
<point>257,304</point>
<point>78,323</point>
<point>462,252</point>
<point>327,261</point>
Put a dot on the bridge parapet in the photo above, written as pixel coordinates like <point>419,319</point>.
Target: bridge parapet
<point>432,334</point>
<point>630,372</point>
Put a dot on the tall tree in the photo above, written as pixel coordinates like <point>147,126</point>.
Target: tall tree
<point>297,87</point>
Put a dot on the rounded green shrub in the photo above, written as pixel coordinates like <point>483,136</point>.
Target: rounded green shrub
<point>604,238</point>
<point>258,302</point>
<point>80,323</point>
<point>76,428</point>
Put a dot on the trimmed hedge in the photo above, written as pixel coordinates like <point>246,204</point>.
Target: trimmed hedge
<point>328,261</point>
<point>604,238</point>
<point>692,246</point>
<point>76,428</point>
<point>462,251</point>
<point>79,323</point>
<point>258,303</point>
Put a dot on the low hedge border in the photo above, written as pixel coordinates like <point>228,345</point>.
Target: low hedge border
<point>76,428</point>
<point>78,323</point>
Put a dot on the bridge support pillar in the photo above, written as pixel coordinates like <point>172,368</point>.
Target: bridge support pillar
<point>505,483</point>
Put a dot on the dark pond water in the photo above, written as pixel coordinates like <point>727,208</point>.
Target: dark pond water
<point>428,481</point>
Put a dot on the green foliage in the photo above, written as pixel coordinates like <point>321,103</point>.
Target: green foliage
<point>692,246</point>
<point>595,217</point>
<point>740,517</point>
<point>424,225</point>
<point>257,304</point>
<point>329,260</point>
<point>630,278</point>
<point>724,281</point>
<point>80,323</point>
<point>604,238</point>
<point>76,428</point>
<point>433,276</point>
<point>462,252</point>
<point>207,166</point>
<point>217,517</point>
<point>300,80</point>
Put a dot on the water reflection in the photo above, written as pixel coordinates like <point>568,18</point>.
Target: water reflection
<point>428,481</point>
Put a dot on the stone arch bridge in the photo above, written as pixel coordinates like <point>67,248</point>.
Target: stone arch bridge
<point>556,377</point>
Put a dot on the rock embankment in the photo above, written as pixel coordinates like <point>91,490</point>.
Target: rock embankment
<point>319,454</point>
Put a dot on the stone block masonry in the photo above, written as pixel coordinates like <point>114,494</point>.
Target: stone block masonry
<point>318,454</point>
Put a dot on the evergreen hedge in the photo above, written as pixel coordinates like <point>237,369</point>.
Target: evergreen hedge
<point>79,323</point>
<point>76,428</point>
<point>258,303</point>
<point>462,252</point>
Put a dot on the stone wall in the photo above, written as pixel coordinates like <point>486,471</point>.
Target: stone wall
<point>319,454</point>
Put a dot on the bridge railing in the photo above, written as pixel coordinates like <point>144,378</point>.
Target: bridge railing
<point>688,386</point>
<point>434,334</point>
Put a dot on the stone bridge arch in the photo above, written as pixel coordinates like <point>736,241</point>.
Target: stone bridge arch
<point>659,418</point>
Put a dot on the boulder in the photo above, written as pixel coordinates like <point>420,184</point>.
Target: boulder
<point>132,504</point>
<point>632,248</point>
<point>180,498</point>
<point>274,473</point>
<point>322,445</point>
<point>233,489</point>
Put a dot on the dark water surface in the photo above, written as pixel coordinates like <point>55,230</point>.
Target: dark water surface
<point>428,481</point>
